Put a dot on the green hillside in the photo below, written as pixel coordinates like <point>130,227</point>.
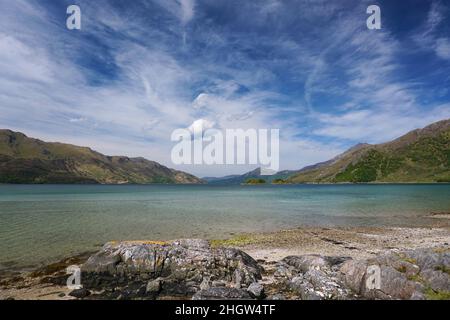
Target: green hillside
<point>422,155</point>
<point>28,160</point>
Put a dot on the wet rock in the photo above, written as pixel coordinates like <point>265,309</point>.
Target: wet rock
<point>80,293</point>
<point>256,290</point>
<point>222,293</point>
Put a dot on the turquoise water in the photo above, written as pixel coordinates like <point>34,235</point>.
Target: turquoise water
<point>42,223</point>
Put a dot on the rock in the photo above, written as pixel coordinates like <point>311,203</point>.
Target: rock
<point>192,269</point>
<point>306,262</point>
<point>313,277</point>
<point>61,295</point>
<point>80,293</point>
<point>183,265</point>
<point>256,290</point>
<point>417,296</point>
<point>319,285</point>
<point>219,283</point>
<point>436,280</point>
<point>276,297</point>
<point>222,293</point>
<point>153,287</point>
<point>353,274</point>
<point>393,284</point>
<point>283,271</point>
<point>205,284</point>
<point>403,275</point>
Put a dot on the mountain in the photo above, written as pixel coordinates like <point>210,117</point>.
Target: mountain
<point>254,174</point>
<point>28,160</point>
<point>422,155</point>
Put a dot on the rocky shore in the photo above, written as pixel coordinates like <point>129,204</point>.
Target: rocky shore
<point>359,263</point>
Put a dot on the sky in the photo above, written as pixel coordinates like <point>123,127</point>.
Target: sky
<point>138,70</point>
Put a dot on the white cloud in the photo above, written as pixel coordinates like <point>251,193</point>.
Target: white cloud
<point>200,125</point>
<point>443,48</point>
<point>184,10</point>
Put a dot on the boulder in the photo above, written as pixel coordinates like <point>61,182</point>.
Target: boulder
<point>183,266</point>
<point>313,277</point>
<point>80,293</point>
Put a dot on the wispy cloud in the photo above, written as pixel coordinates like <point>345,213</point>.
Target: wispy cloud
<point>135,73</point>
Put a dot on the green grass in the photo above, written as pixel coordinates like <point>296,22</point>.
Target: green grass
<point>430,294</point>
<point>237,241</point>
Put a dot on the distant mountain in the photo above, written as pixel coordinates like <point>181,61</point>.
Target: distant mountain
<point>422,155</point>
<point>254,174</point>
<point>28,160</point>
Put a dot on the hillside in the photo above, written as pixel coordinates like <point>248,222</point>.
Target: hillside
<point>254,174</point>
<point>422,155</point>
<point>28,160</point>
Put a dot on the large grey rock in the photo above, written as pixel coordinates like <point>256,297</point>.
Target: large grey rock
<point>436,279</point>
<point>353,274</point>
<point>403,274</point>
<point>191,268</point>
<point>184,266</point>
<point>314,277</point>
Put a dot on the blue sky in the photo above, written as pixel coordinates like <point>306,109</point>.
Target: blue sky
<point>140,69</point>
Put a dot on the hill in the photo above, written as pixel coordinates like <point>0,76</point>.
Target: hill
<point>28,160</point>
<point>422,155</point>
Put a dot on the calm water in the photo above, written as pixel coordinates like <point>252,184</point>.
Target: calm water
<point>42,223</point>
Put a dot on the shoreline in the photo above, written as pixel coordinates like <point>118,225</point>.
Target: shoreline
<point>355,242</point>
<point>267,248</point>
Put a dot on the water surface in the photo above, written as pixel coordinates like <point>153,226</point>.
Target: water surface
<point>41,223</point>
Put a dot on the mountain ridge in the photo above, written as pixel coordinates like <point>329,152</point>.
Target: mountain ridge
<point>28,160</point>
<point>421,155</point>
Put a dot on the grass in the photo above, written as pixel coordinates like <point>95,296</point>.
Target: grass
<point>237,241</point>
<point>430,294</point>
<point>416,278</point>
